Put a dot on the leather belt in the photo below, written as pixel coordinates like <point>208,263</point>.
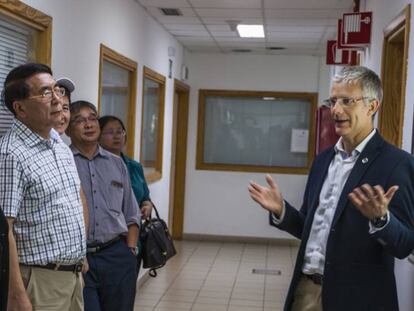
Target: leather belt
<point>98,247</point>
<point>60,267</point>
<point>315,278</point>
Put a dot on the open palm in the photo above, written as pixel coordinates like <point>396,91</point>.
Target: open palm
<point>269,198</point>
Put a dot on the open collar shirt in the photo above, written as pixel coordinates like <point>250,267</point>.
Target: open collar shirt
<point>338,173</point>
<point>111,202</point>
<point>40,189</point>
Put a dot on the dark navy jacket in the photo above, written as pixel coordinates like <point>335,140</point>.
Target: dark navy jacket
<point>359,266</point>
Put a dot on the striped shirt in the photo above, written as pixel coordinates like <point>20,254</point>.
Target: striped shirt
<point>40,189</point>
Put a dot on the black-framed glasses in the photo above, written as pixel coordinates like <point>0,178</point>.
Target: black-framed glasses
<point>48,93</point>
<point>343,101</point>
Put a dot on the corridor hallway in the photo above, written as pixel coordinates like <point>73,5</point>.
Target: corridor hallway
<point>214,276</point>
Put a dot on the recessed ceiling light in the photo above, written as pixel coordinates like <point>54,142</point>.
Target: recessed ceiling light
<point>250,31</point>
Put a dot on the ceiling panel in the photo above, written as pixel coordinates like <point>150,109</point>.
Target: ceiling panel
<point>191,33</point>
<point>224,34</point>
<point>302,26</point>
<point>196,40</point>
<point>308,4</point>
<point>301,22</point>
<point>156,12</point>
<point>281,41</point>
<point>295,29</point>
<point>230,13</point>
<point>293,35</point>
<point>299,14</point>
<point>223,20</point>
<point>216,4</point>
<point>184,26</point>
<point>177,20</point>
<point>165,3</point>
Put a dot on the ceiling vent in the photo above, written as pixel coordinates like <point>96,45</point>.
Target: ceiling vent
<point>171,12</point>
<point>241,50</point>
<point>275,48</point>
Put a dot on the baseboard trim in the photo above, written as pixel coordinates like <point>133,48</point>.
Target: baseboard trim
<point>240,239</point>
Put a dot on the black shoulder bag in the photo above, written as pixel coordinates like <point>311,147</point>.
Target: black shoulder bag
<point>157,244</point>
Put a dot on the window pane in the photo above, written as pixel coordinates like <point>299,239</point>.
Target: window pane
<point>253,131</point>
<point>15,49</point>
<point>115,91</point>
<point>150,124</point>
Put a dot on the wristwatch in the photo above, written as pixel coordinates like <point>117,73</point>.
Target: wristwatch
<point>380,222</point>
<point>134,250</point>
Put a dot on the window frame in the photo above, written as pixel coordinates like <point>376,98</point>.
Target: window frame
<point>110,55</point>
<point>35,19</point>
<point>201,165</point>
<point>158,78</point>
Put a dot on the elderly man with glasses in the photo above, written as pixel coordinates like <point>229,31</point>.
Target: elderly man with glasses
<point>358,209</point>
<point>113,215</point>
<point>40,196</point>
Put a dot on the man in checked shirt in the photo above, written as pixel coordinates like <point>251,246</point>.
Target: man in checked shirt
<point>40,196</point>
<point>113,215</point>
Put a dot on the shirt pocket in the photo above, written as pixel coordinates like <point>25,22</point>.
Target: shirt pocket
<point>115,196</point>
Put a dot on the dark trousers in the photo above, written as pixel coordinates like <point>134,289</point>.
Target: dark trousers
<point>110,283</point>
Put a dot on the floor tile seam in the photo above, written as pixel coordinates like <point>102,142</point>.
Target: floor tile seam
<point>235,279</point>
<point>204,281</point>
<point>265,277</point>
<point>179,271</point>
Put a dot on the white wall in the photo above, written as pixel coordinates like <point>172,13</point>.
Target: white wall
<point>79,27</point>
<point>217,202</point>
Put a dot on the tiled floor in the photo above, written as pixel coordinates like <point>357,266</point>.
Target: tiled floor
<point>210,276</point>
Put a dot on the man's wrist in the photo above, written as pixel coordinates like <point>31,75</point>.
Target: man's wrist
<point>380,222</point>
<point>134,250</point>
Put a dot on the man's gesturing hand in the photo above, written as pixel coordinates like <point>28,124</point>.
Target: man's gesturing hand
<point>372,202</point>
<point>269,198</point>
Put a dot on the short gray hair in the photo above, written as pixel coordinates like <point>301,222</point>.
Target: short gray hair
<point>367,79</point>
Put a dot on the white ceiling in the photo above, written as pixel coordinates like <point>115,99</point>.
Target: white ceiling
<point>300,26</point>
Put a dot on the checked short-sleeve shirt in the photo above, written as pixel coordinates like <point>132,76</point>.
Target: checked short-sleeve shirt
<point>40,188</point>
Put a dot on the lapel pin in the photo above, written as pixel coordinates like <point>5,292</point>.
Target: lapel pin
<point>365,160</point>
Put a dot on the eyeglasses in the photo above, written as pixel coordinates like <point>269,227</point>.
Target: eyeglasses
<point>113,133</point>
<point>48,93</point>
<point>343,101</point>
<point>83,120</point>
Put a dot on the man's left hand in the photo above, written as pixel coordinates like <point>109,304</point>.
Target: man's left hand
<point>372,202</point>
<point>85,267</point>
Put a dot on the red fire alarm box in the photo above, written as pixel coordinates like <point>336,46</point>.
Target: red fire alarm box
<point>335,56</point>
<point>325,130</point>
<point>354,30</point>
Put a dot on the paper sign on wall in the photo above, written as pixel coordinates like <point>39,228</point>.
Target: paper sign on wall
<point>299,140</point>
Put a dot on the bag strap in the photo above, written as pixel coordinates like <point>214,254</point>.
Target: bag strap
<point>155,209</point>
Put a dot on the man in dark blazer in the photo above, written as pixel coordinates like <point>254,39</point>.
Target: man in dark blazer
<point>350,228</point>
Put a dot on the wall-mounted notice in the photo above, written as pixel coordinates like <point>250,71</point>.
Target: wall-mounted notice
<point>299,140</point>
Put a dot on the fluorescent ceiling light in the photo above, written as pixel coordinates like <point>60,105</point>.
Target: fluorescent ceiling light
<point>250,31</point>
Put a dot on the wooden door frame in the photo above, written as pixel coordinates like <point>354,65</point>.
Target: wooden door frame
<point>177,176</point>
<point>398,24</point>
